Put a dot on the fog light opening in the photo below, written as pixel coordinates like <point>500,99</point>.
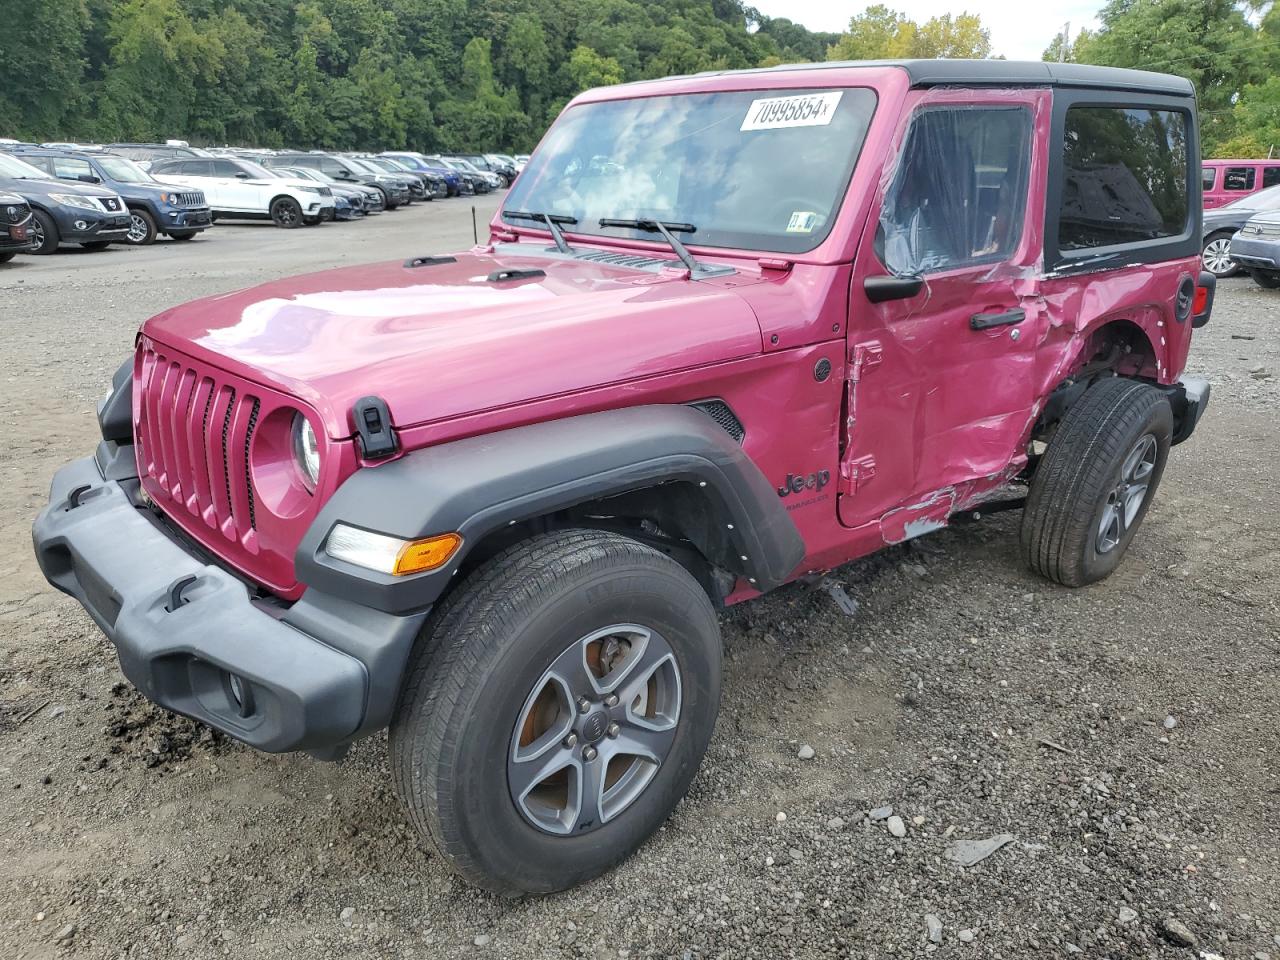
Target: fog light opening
<point>239,692</point>
<point>81,225</point>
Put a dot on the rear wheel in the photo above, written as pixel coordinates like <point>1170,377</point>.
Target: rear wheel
<point>142,228</point>
<point>556,710</point>
<point>44,233</point>
<point>1096,480</point>
<point>1270,279</point>
<point>1216,256</point>
<point>286,213</point>
<point>183,234</point>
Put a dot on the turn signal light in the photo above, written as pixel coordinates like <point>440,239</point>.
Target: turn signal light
<point>419,556</point>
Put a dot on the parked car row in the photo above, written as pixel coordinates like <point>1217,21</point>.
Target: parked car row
<point>133,193</point>
<point>1235,238</point>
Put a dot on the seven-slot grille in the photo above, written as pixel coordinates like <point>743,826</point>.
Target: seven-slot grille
<point>195,435</point>
<point>195,199</point>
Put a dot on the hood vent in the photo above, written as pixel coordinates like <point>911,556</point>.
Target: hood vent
<point>625,260</point>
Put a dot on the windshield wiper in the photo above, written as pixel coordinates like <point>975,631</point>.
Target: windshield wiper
<point>665,228</point>
<point>551,220</point>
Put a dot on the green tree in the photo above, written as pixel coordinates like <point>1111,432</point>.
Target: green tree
<point>45,101</point>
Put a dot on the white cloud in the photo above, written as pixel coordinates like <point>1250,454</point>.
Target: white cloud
<point>1019,30</point>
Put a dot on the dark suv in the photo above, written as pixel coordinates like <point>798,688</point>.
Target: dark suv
<point>82,213</point>
<point>154,208</point>
<point>495,500</point>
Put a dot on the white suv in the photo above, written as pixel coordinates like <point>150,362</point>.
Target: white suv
<point>244,190</point>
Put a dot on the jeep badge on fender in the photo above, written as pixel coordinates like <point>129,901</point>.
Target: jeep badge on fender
<point>526,594</point>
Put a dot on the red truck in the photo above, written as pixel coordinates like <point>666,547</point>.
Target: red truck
<point>728,331</point>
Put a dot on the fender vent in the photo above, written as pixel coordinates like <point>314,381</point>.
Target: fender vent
<point>724,417</point>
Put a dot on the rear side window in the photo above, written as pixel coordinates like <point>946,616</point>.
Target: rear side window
<point>960,190</point>
<point>1207,177</point>
<point>1125,176</point>
<point>1270,176</point>
<point>1238,178</point>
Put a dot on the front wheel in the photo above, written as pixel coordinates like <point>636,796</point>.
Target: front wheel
<point>286,213</point>
<point>7,255</point>
<point>1267,279</point>
<point>142,228</point>
<point>1096,480</point>
<point>1216,256</point>
<point>44,233</point>
<point>556,710</point>
<point>182,234</point>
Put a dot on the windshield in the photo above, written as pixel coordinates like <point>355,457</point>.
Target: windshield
<point>459,164</point>
<point>394,166</point>
<point>257,171</point>
<point>409,163</point>
<point>748,171</point>
<point>18,170</point>
<point>126,171</point>
<point>1268,199</point>
<point>363,167</point>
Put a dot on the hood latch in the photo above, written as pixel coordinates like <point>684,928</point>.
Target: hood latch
<point>374,433</point>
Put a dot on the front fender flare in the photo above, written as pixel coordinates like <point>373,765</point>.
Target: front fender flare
<point>480,484</point>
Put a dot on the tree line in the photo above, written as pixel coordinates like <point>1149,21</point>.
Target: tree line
<point>470,74</point>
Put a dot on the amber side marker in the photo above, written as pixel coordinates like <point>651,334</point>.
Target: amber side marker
<point>431,553</point>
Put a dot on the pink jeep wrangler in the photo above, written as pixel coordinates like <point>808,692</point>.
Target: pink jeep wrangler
<point>729,331</point>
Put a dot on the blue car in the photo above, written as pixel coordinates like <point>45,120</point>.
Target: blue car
<point>154,208</point>
<point>419,162</point>
<point>1257,249</point>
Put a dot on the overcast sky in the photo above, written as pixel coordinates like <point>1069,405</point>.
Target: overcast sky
<point>1020,30</point>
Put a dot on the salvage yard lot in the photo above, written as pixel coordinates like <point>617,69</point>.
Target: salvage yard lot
<point>1123,734</point>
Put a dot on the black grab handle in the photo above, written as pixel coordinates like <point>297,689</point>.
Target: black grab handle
<point>499,275</point>
<point>983,321</point>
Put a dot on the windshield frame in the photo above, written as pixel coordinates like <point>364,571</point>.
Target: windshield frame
<point>761,245</point>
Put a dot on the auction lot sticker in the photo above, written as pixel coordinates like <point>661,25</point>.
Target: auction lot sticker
<point>806,110</point>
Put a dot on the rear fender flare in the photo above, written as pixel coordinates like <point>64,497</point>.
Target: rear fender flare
<point>479,485</point>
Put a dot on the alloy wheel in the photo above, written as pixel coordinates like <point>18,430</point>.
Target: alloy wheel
<point>595,729</point>
<point>138,230</point>
<point>1126,498</point>
<point>1217,256</point>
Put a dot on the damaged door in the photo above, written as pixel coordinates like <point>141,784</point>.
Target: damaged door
<point>940,384</point>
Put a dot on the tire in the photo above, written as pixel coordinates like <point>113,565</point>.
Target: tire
<point>142,229</point>
<point>1267,279</point>
<point>471,692</point>
<point>46,233</point>
<point>286,213</point>
<point>183,234</point>
<point>7,255</point>
<point>96,244</point>
<point>1215,255</point>
<point>1118,424</point>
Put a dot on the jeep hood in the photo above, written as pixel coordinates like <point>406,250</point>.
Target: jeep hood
<point>443,340</point>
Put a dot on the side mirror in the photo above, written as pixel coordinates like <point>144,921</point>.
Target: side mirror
<point>88,178</point>
<point>882,289</point>
<point>242,175</point>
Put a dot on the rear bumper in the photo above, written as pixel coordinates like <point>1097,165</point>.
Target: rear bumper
<point>318,673</point>
<point>1189,398</point>
<point>1256,253</point>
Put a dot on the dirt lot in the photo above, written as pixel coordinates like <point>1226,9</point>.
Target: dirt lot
<point>1124,735</point>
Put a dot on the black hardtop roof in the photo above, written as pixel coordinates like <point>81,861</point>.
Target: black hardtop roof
<point>1003,73</point>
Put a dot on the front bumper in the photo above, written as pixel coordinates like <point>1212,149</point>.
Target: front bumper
<point>186,218</point>
<point>1257,253</point>
<point>318,673</point>
<point>78,225</point>
<point>16,237</point>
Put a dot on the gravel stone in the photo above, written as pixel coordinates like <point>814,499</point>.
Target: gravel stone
<point>896,827</point>
<point>1128,914</point>
<point>933,927</point>
<point>965,935</point>
<point>806,752</point>
<point>881,813</point>
<point>1175,931</point>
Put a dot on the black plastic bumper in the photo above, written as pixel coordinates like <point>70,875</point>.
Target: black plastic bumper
<point>1189,398</point>
<point>310,676</point>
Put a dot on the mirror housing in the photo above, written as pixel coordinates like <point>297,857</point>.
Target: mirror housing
<point>242,175</point>
<point>883,289</point>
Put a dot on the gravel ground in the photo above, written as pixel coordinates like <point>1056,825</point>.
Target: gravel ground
<point>1122,736</point>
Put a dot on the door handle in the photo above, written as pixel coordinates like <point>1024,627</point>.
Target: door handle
<point>984,321</point>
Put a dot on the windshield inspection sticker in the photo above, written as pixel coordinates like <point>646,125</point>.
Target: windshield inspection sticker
<point>802,221</point>
<point>806,110</point>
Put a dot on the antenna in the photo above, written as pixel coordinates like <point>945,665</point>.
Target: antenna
<point>1066,39</point>
<point>475,231</point>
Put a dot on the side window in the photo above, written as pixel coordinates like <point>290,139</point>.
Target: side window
<point>174,168</point>
<point>1270,176</point>
<point>959,193</point>
<point>1238,178</point>
<point>1124,176</point>
<point>1208,177</point>
<point>70,168</point>
<point>40,163</point>
<point>225,168</point>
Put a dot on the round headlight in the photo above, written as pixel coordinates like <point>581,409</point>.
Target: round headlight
<point>306,451</point>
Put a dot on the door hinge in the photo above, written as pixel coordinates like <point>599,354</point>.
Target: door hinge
<point>855,474</point>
